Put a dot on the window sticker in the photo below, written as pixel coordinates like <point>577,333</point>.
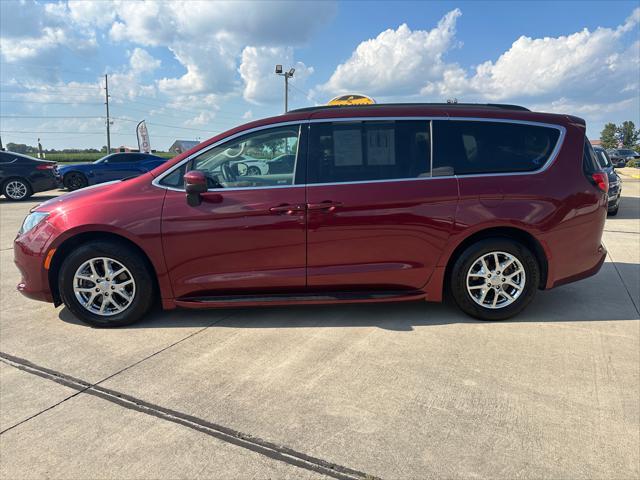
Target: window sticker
<point>347,148</point>
<point>381,149</point>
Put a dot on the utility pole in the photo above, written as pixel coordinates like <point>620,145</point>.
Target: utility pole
<point>106,97</point>
<point>287,76</point>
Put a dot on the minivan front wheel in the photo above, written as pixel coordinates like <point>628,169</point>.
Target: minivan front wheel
<point>494,279</point>
<point>106,284</point>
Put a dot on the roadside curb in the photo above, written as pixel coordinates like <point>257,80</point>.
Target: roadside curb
<point>629,172</point>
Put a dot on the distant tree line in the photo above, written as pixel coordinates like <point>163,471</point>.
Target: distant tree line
<point>624,135</point>
<point>29,149</point>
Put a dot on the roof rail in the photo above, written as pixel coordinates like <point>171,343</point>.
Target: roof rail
<point>501,106</point>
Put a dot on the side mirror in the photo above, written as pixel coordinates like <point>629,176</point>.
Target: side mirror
<point>195,183</point>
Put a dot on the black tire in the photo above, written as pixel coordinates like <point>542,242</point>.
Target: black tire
<point>123,254</point>
<point>12,186</point>
<point>614,211</point>
<point>74,181</point>
<point>464,262</point>
<point>253,171</point>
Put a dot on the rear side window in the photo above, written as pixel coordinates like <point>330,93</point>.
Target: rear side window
<point>590,162</point>
<point>366,151</point>
<point>476,147</point>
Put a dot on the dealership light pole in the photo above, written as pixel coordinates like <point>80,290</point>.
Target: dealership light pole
<point>106,98</point>
<point>287,76</point>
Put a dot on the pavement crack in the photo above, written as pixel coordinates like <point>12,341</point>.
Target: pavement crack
<point>621,231</point>
<point>250,442</point>
<point>193,334</point>
<point>88,385</point>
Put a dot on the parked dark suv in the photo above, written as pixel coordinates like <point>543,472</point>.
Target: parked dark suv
<point>382,203</point>
<point>615,182</point>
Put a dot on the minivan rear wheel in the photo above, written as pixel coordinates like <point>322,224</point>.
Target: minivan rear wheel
<point>106,284</point>
<point>494,279</point>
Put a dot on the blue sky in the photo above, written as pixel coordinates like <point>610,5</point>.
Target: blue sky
<point>193,69</point>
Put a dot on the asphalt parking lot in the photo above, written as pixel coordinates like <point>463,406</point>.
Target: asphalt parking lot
<point>392,391</point>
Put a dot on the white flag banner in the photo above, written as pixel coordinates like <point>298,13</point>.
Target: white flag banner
<point>143,137</point>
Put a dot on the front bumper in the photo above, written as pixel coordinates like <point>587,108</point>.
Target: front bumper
<point>30,251</point>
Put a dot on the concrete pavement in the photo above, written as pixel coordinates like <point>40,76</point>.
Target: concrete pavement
<point>393,391</point>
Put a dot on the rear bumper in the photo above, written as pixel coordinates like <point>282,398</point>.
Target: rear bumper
<point>602,255</point>
<point>44,183</point>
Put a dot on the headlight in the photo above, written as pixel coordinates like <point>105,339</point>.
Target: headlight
<point>33,219</point>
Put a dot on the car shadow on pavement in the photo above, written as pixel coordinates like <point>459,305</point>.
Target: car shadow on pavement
<point>629,209</point>
<point>600,298</point>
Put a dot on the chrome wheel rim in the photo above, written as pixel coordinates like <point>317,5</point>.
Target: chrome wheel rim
<point>496,280</point>
<point>104,286</point>
<point>16,190</point>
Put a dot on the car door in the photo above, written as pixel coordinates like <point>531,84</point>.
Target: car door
<point>248,234</point>
<point>377,219</point>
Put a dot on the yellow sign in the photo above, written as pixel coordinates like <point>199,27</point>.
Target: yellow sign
<point>351,99</point>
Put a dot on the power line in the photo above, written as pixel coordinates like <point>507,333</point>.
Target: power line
<point>47,67</point>
<point>51,116</point>
<point>56,131</point>
<point>163,125</point>
<point>49,103</point>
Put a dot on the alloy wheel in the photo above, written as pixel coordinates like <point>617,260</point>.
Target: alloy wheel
<point>16,190</point>
<point>104,286</point>
<point>496,280</point>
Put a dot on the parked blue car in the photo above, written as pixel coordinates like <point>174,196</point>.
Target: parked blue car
<point>112,167</point>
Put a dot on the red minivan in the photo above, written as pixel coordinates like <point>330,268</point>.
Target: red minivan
<point>377,203</point>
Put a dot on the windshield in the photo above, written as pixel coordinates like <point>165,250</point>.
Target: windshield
<point>627,152</point>
<point>100,160</point>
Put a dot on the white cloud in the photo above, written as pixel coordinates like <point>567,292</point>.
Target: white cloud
<point>261,84</point>
<point>397,61</point>
<point>591,73</point>
<point>208,39</point>
<point>142,62</point>
<point>30,30</point>
<point>585,64</point>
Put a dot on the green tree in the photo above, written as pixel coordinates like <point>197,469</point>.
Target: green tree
<point>608,137</point>
<point>627,134</point>
<point>19,147</point>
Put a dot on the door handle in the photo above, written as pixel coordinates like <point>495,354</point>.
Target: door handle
<point>287,209</point>
<point>327,205</point>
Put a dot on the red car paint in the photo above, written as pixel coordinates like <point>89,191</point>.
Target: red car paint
<point>392,235</point>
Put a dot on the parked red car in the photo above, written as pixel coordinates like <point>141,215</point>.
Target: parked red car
<point>382,203</point>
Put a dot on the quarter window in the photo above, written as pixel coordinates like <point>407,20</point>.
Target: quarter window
<point>467,147</point>
<point>366,151</point>
<point>260,159</point>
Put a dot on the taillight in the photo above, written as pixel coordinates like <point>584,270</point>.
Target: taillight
<point>46,166</point>
<point>601,181</point>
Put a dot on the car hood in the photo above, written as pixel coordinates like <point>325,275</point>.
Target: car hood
<point>83,195</point>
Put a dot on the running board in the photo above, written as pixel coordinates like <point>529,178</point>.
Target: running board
<point>299,298</point>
